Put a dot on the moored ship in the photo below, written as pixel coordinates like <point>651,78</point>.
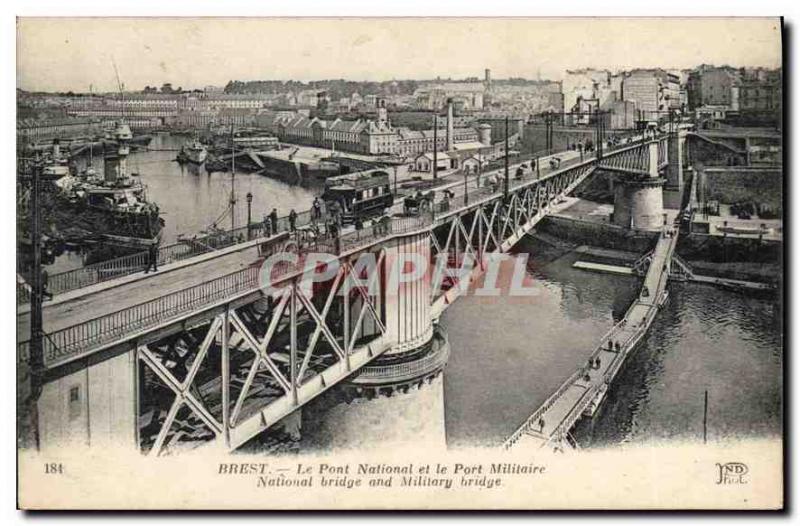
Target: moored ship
<point>113,207</point>
<point>193,152</point>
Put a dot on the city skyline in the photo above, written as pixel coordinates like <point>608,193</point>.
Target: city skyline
<point>193,53</point>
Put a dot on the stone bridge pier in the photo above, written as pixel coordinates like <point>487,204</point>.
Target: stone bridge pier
<point>398,398</point>
<point>639,195</point>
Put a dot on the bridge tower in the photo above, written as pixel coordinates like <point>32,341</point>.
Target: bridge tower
<point>639,197</point>
<point>398,398</point>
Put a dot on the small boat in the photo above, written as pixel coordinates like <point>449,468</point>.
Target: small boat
<point>215,164</point>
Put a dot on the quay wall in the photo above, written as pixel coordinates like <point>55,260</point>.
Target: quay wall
<point>715,152</point>
<point>735,184</point>
<point>591,233</point>
<point>729,257</point>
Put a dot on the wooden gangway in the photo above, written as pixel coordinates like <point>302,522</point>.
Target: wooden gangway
<point>584,390</point>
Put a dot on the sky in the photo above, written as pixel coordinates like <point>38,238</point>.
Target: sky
<point>73,53</point>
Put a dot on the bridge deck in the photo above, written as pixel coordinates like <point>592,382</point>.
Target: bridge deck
<point>584,390</point>
<point>81,305</point>
<point>78,324</point>
<point>141,287</point>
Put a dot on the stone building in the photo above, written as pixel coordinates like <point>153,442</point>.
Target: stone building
<point>654,92</point>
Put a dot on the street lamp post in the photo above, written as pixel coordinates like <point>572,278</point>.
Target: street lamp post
<point>480,168</point>
<point>36,358</point>
<point>466,192</point>
<point>435,149</point>
<point>249,209</point>
<point>505,184</point>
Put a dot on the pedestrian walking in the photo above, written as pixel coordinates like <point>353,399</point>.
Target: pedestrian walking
<point>333,230</point>
<point>152,258</point>
<point>292,220</point>
<point>273,218</point>
<point>45,283</point>
<point>316,209</point>
<point>541,424</point>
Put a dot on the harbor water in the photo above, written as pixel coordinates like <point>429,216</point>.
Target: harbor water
<point>192,200</point>
<point>509,354</point>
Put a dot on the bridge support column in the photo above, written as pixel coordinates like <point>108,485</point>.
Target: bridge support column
<point>94,406</point>
<point>398,398</point>
<point>639,199</point>
<point>639,204</point>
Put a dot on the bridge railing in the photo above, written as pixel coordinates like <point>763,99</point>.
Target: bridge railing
<point>96,332</point>
<point>204,243</point>
<point>532,421</point>
<point>494,187</point>
<point>625,347</point>
<point>380,229</point>
<point>569,419</point>
<point>184,249</point>
<point>110,327</point>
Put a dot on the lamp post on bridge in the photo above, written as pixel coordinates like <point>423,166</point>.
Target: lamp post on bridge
<point>249,208</point>
<point>466,191</point>
<point>505,182</point>
<point>36,359</point>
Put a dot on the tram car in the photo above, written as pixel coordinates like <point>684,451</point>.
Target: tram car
<point>358,195</point>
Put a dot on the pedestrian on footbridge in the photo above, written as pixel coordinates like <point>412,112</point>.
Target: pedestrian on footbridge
<point>541,424</point>
<point>292,220</point>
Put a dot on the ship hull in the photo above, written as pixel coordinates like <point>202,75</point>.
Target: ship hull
<point>192,157</point>
<point>135,229</point>
<point>197,158</point>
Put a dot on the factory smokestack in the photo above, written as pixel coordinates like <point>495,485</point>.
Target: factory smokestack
<point>449,125</point>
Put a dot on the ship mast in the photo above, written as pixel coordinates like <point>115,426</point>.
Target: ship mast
<point>121,93</point>
<point>233,182</point>
<point>123,136</point>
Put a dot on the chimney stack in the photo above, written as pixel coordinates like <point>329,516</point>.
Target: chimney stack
<point>449,125</point>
